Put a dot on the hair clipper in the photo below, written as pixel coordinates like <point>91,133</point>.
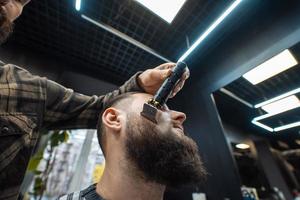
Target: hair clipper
<point>164,92</point>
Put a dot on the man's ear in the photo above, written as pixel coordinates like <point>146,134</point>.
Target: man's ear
<point>111,118</point>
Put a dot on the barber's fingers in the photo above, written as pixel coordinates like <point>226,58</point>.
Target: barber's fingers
<point>171,66</point>
<point>180,84</point>
<point>186,74</point>
<point>165,73</point>
<point>153,78</point>
<point>166,69</point>
<point>166,66</point>
<point>177,88</point>
<point>160,74</point>
<point>162,71</point>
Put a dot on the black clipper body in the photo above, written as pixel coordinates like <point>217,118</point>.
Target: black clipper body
<point>163,94</point>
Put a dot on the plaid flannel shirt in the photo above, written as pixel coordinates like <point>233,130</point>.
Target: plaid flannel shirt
<point>29,103</point>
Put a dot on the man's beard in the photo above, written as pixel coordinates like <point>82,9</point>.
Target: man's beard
<point>164,158</point>
<point>6,26</point>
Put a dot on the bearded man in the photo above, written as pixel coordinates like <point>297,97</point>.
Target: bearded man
<point>142,158</point>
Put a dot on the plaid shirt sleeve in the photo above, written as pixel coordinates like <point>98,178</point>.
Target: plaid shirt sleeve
<point>68,109</point>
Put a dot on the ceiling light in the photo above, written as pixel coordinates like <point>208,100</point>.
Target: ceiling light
<point>78,5</point>
<point>166,9</point>
<point>274,111</point>
<point>210,29</point>
<point>277,129</point>
<point>278,98</point>
<point>288,126</point>
<point>271,67</point>
<point>262,125</point>
<point>282,105</point>
<point>242,146</point>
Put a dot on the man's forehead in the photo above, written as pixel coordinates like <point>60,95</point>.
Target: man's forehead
<point>144,98</point>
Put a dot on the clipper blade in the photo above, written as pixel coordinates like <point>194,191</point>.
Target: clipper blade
<point>149,112</point>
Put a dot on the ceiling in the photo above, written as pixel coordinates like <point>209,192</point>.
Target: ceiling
<point>55,28</point>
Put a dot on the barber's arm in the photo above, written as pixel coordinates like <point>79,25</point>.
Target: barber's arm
<point>67,109</point>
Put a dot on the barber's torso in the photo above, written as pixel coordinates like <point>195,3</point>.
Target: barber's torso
<point>22,100</point>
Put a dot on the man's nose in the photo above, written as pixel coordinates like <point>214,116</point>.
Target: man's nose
<point>178,116</point>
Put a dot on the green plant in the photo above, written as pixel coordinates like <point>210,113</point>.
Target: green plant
<point>41,176</point>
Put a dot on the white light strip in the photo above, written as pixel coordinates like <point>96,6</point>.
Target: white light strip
<point>269,115</point>
<point>280,128</point>
<point>282,105</point>
<point>262,126</point>
<point>284,127</point>
<point>277,129</point>
<point>264,116</point>
<point>210,29</point>
<point>78,5</point>
<point>278,97</point>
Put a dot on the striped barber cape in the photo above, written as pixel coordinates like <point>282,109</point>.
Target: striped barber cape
<point>86,194</point>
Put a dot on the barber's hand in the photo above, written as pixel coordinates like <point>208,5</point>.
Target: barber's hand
<point>151,79</point>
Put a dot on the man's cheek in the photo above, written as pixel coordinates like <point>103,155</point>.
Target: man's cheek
<point>164,123</point>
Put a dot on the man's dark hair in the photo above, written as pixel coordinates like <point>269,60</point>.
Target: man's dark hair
<point>110,103</point>
<point>6,26</point>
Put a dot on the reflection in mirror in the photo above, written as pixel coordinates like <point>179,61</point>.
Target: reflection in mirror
<point>249,170</point>
<point>260,113</point>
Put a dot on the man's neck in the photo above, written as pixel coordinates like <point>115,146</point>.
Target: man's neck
<point>118,185</point>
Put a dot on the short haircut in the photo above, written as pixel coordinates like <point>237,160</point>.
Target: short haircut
<point>115,101</point>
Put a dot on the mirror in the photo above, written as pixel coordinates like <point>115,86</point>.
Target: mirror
<point>261,110</point>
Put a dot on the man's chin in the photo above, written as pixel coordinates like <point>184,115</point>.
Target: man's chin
<point>185,168</point>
